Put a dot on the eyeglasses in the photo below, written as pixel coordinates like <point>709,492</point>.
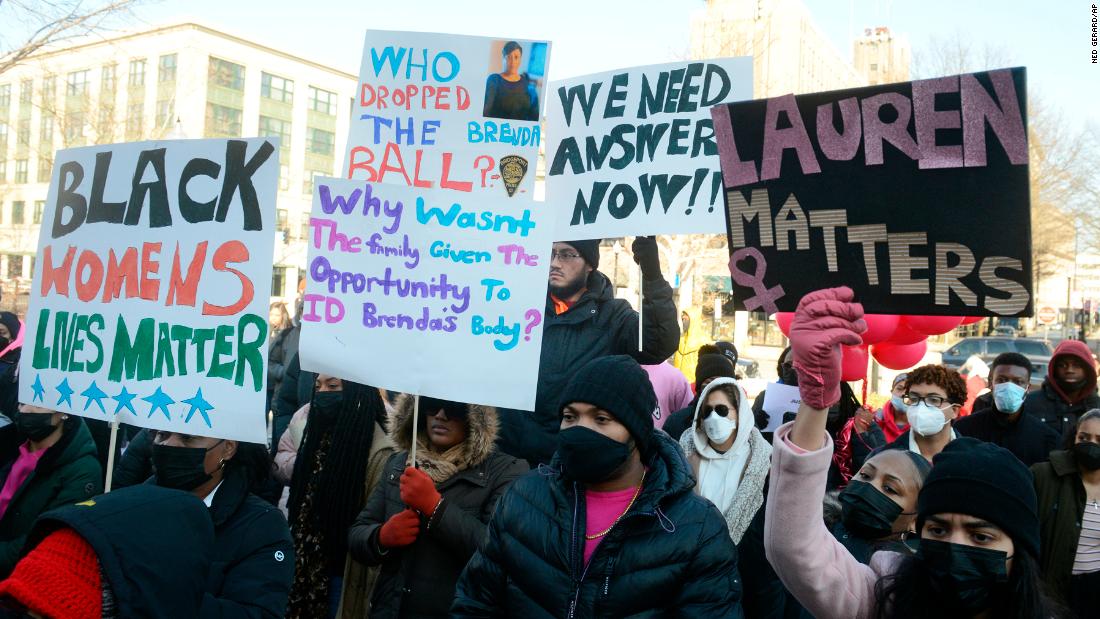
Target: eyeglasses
<point>933,399</point>
<point>721,409</point>
<point>564,256</point>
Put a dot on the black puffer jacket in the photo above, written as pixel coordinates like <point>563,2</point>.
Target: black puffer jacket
<point>1051,404</point>
<point>418,581</point>
<point>670,556</point>
<point>596,326</point>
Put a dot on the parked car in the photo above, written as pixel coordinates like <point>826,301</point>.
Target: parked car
<point>1038,351</point>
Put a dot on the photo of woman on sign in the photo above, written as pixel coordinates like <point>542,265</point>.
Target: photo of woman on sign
<point>511,94</point>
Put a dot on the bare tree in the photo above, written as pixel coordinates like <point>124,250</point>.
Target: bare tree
<point>40,24</point>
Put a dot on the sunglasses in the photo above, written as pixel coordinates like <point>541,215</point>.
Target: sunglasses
<point>430,407</point>
<point>721,409</point>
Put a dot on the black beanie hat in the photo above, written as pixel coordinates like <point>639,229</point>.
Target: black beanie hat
<point>589,250</point>
<point>618,385</point>
<point>11,321</point>
<point>712,366</point>
<point>983,480</point>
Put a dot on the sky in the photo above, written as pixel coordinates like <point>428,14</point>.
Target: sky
<point>588,36</point>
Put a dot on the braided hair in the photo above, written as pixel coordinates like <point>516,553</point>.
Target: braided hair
<point>338,489</point>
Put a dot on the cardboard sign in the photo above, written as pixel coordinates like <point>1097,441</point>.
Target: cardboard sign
<point>151,287</point>
<point>426,291</point>
<point>913,194</point>
<point>780,399</point>
<point>448,111</point>
<point>632,152</point>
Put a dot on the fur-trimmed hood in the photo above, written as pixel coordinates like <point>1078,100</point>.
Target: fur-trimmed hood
<point>482,426</point>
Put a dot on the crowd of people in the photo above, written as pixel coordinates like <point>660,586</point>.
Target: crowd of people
<point>628,490</point>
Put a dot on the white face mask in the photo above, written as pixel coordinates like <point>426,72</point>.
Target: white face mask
<point>719,428</point>
<point>926,420</point>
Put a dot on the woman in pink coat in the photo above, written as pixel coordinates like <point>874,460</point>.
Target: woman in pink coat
<point>976,513</point>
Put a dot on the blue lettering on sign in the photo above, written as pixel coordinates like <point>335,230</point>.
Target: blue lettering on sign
<point>490,132</point>
<point>483,220</point>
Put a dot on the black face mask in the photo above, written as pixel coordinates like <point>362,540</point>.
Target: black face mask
<point>588,456</point>
<point>867,512</point>
<point>181,468</point>
<point>966,578</point>
<point>35,426</point>
<point>4,343</point>
<point>1087,455</point>
<point>326,405</point>
<point>788,374</point>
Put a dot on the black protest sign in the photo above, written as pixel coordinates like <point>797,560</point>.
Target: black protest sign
<point>914,194</point>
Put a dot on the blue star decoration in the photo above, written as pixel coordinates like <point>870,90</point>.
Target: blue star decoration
<point>94,394</point>
<point>198,403</point>
<point>159,400</point>
<point>39,390</point>
<point>125,399</point>
<point>66,392</point>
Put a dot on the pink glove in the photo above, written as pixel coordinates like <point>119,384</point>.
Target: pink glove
<point>824,320</point>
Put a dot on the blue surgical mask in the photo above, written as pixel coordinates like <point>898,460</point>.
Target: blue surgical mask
<point>1008,397</point>
<point>899,406</point>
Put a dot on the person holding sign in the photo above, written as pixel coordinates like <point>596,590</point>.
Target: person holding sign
<point>976,512</point>
<point>584,321</point>
<point>511,94</point>
<point>56,466</point>
<point>424,522</point>
<point>611,528</point>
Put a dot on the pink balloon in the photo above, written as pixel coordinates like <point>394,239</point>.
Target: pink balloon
<point>969,320</point>
<point>904,335</point>
<point>899,356</point>
<point>932,325</point>
<point>880,327</point>
<point>784,319</point>
<point>853,365</point>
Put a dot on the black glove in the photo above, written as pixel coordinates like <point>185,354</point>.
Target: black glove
<point>647,256</point>
<point>761,419</point>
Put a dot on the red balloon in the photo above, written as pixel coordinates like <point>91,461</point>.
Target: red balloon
<point>784,319</point>
<point>899,356</point>
<point>853,365</point>
<point>969,320</point>
<point>932,325</point>
<point>904,335</point>
<point>880,327</point>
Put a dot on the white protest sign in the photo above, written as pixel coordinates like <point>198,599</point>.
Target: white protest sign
<point>780,399</point>
<point>151,287</point>
<point>632,152</point>
<point>448,111</point>
<point>430,292</point>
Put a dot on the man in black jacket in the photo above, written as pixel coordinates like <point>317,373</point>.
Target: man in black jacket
<point>583,321</point>
<point>1069,389</point>
<point>612,528</point>
<point>998,416</point>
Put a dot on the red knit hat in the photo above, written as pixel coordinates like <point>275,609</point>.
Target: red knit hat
<point>59,578</point>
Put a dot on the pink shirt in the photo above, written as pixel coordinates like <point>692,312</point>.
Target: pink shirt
<point>20,471</point>
<point>603,509</point>
<point>671,387</point>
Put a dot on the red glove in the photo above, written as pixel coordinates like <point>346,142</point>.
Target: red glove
<point>824,320</point>
<point>400,530</point>
<point>418,491</point>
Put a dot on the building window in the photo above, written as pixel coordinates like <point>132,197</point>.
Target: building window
<point>15,266</point>
<point>107,79</point>
<point>166,69</point>
<point>74,127</point>
<point>226,74</point>
<point>307,184</point>
<point>5,95</point>
<point>134,121</point>
<point>278,281</point>
<point>21,171</point>
<point>137,72</point>
<point>23,134</point>
<point>49,91</point>
<point>874,66</point>
<point>3,171</point>
<point>3,136</point>
<point>275,127</point>
<point>45,167</point>
<point>284,177</point>
<point>165,112</point>
<point>26,91</point>
<point>45,134</point>
<point>105,124</point>
<point>77,83</point>
<point>322,101</point>
<point>222,120</point>
<point>39,206</point>
<point>305,227</point>
<point>276,88</point>
<point>17,214</point>
<point>282,219</point>
<point>320,141</point>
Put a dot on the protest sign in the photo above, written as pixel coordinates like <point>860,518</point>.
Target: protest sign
<point>448,111</point>
<point>914,194</point>
<point>632,152</point>
<point>780,399</point>
<point>151,286</point>
<point>426,291</point>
